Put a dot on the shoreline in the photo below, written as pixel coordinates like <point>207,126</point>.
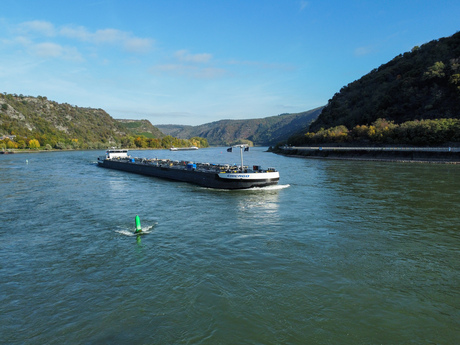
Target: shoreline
<point>39,151</point>
<point>374,159</point>
<point>362,154</point>
<point>14,151</point>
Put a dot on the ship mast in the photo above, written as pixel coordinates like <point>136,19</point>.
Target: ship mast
<point>242,148</point>
<point>241,154</point>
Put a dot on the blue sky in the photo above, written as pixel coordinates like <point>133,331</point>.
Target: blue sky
<point>194,61</point>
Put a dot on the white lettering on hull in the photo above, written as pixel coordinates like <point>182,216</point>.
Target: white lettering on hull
<point>257,176</point>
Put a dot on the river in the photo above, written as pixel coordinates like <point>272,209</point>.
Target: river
<point>340,252</point>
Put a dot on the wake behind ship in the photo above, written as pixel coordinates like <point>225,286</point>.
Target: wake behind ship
<point>221,176</point>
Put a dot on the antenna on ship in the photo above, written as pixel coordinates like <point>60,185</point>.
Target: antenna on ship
<point>241,154</point>
<point>242,147</point>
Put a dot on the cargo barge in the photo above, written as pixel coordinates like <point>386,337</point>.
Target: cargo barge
<point>220,176</point>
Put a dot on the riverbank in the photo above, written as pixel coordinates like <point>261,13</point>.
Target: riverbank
<point>13,151</point>
<point>409,155</point>
<point>10,152</point>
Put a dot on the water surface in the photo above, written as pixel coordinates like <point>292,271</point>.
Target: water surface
<point>340,252</point>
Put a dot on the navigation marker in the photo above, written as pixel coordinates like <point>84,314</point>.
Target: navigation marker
<point>138,225</point>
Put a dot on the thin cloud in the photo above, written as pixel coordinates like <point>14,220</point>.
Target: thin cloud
<point>53,50</point>
<point>195,66</point>
<point>210,73</point>
<point>303,5</point>
<point>190,71</point>
<point>125,40</point>
<point>21,40</point>
<point>175,68</point>
<point>39,27</point>
<point>109,36</point>
<point>362,51</point>
<point>138,45</point>
<point>263,65</point>
<point>47,49</point>
<point>79,32</point>
<point>184,55</point>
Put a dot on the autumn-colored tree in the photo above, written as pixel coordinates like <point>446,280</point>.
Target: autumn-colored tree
<point>34,144</point>
<point>154,143</point>
<point>435,71</point>
<point>141,142</point>
<point>11,145</point>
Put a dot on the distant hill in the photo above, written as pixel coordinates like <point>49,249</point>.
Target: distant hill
<point>141,127</point>
<point>262,132</point>
<point>421,84</point>
<point>174,130</point>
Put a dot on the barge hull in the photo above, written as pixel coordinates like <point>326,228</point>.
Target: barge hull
<point>205,179</point>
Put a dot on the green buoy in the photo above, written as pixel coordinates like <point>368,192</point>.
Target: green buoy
<point>138,224</point>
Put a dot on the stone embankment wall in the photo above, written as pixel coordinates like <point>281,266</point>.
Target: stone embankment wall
<point>434,155</point>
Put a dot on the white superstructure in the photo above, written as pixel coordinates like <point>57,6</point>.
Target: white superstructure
<point>114,153</point>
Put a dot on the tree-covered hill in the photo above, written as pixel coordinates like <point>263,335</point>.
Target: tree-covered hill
<point>36,122</point>
<point>179,131</point>
<point>421,84</point>
<point>264,131</point>
<point>141,127</point>
<point>57,124</point>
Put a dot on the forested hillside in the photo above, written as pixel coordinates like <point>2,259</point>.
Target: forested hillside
<point>421,84</point>
<point>57,125</point>
<point>263,131</point>
<point>141,127</point>
<point>36,122</point>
